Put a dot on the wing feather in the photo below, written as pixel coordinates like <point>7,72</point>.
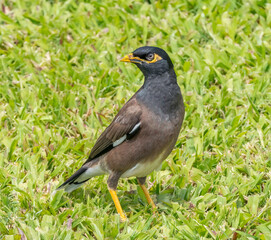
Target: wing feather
<point>124,122</point>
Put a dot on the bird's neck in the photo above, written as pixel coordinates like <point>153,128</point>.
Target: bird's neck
<point>161,93</point>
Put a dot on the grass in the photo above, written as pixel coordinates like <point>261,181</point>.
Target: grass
<point>61,84</point>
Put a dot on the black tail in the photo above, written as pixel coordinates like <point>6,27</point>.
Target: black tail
<point>75,181</point>
<point>82,175</point>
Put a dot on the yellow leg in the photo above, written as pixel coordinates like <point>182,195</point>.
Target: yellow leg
<point>147,195</point>
<point>117,204</point>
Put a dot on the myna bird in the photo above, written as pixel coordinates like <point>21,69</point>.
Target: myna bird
<point>144,131</point>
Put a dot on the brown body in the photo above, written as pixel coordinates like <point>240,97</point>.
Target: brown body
<point>144,131</point>
<point>141,151</point>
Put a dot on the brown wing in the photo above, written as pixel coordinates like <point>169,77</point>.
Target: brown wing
<point>124,122</point>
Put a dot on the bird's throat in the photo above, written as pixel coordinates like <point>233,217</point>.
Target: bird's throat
<point>160,94</point>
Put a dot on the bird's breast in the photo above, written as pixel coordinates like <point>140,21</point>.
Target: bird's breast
<point>145,167</point>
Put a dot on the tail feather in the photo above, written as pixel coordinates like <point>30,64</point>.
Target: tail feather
<point>80,176</point>
<point>72,182</point>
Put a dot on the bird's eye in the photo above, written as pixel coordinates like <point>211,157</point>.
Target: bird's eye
<point>150,56</point>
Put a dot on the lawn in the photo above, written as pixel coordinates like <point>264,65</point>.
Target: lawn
<point>62,83</point>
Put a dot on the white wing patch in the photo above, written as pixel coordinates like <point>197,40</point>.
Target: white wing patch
<point>123,138</point>
<point>135,128</point>
<point>119,141</point>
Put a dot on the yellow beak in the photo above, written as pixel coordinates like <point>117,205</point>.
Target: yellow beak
<point>127,58</point>
<point>130,58</point>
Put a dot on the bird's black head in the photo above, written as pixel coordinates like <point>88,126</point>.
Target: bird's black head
<point>150,60</point>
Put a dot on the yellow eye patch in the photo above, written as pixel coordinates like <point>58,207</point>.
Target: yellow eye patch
<point>155,59</point>
<point>130,58</point>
